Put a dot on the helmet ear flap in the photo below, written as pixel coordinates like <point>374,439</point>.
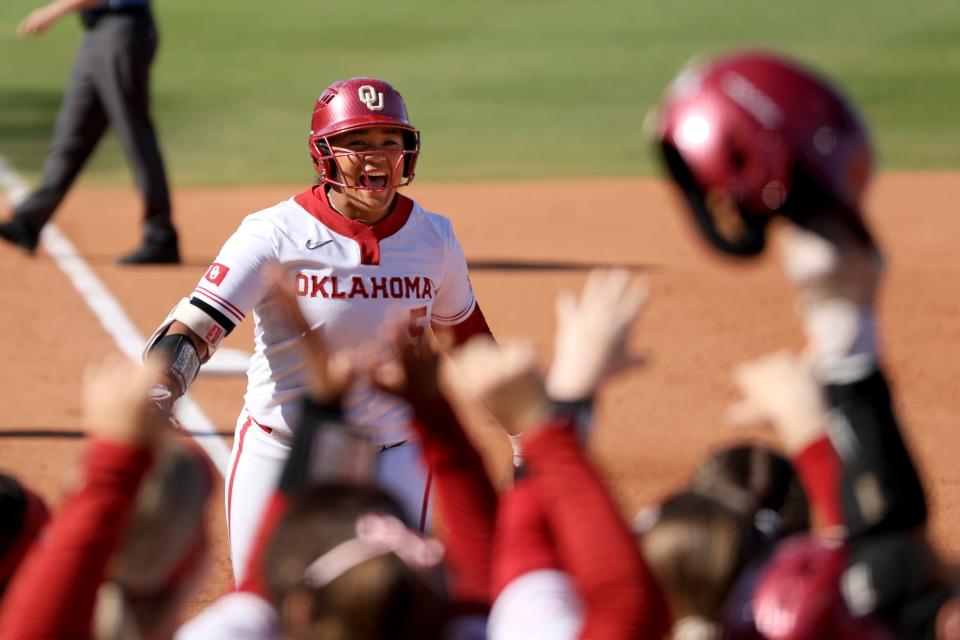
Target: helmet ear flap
<point>325,164</point>
<point>411,142</point>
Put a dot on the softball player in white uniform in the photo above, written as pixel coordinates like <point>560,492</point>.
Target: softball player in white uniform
<point>355,250</point>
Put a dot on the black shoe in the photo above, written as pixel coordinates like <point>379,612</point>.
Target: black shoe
<point>153,253</point>
<point>16,232</point>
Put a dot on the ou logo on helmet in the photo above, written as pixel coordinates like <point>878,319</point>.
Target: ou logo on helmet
<point>371,97</point>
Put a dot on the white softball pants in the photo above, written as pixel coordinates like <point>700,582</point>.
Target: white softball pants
<point>257,461</point>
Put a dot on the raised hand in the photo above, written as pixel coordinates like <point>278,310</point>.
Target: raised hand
<point>592,332</point>
<point>411,369</point>
<point>504,378</point>
<point>115,401</point>
<point>780,390</point>
<point>328,375</point>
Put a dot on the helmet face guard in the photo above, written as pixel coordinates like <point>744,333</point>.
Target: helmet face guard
<point>751,136</point>
<point>355,104</point>
<point>330,171</point>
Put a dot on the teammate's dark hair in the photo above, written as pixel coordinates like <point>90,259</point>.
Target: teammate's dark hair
<point>752,477</point>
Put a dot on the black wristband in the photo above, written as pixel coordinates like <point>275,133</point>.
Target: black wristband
<point>580,413</point>
<point>183,362</point>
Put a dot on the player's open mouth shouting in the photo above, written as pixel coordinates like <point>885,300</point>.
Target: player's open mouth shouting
<point>374,179</point>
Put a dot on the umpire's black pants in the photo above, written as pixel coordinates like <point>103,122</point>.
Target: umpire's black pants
<point>109,83</point>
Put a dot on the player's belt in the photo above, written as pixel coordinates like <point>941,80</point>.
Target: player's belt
<point>286,439</point>
<point>283,438</point>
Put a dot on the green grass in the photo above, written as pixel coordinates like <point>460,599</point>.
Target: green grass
<point>500,88</point>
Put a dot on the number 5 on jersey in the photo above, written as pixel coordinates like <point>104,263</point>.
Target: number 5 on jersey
<point>418,323</point>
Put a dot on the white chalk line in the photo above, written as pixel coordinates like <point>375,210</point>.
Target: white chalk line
<point>111,315</point>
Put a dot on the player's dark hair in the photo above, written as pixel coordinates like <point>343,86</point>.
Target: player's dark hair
<point>380,599</point>
<point>751,478</point>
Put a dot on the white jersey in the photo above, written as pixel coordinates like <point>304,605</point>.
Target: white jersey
<point>349,277</point>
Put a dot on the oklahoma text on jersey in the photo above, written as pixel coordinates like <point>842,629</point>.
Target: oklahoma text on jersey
<point>406,287</point>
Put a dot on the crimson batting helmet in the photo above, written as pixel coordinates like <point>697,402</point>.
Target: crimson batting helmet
<point>360,103</point>
<point>752,135</point>
<point>797,595</point>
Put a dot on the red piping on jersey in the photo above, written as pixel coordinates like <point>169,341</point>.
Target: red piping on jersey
<point>426,502</point>
<point>474,324</point>
<point>226,304</point>
<point>368,236</point>
<point>458,316</point>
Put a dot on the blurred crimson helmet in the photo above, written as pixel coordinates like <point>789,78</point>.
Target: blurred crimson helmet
<point>751,135</point>
<point>797,595</point>
<point>360,103</point>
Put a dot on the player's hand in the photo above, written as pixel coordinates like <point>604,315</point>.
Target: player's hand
<point>328,374</point>
<point>503,378</point>
<point>38,21</point>
<point>411,367</point>
<point>780,390</point>
<point>115,401</point>
<point>592,332</point>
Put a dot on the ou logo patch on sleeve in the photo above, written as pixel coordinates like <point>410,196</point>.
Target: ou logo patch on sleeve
<point>216,273</point>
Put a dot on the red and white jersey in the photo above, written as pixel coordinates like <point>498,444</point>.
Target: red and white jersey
<point>348,276</point>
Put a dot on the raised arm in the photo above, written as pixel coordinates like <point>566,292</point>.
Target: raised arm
<point>53,593</point>
<point>593,543</point>
<point>465,495</point>
<point>232,285</point>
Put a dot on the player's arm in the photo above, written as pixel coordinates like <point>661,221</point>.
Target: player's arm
<point>39,20</point>
<point>174,348</point>
<point>178,328</point>
<point>465,495</point>
<point>455,309</point>
<point>196,326</point>
<point>53,594</point>
<point>181,348</point>
<point>594,544</point>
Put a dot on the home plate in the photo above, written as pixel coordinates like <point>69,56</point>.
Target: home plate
<point>227,362</point>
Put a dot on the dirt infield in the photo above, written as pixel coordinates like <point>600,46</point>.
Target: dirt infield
<point>525,242</point>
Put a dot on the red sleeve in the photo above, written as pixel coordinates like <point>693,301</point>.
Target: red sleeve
<point>523,542</point>
<point>54,592</point>
<point>254,581</point>
<point>466,499</point>
<point>475,324</point>
<point>820,471</point>
<point>595,546</point>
